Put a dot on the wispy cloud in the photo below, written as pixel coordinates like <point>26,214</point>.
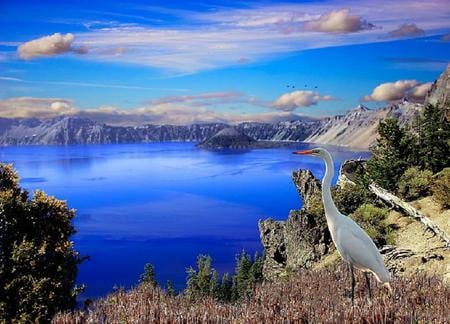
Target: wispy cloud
<point>89,84</point>
<point>228,37</point>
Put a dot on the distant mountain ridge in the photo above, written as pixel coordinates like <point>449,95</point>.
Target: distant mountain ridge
<point>357,128</point>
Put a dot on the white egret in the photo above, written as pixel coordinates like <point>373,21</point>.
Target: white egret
<point>352,242</point>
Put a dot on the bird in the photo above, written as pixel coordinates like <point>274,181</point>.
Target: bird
<point>354,245</point>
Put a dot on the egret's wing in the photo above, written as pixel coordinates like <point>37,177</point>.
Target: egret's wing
<point>358,248</point>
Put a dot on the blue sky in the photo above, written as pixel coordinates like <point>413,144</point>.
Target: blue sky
<point>190,61</point>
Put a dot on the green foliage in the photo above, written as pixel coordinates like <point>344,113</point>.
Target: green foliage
<point>170,289</point>
<point>441,188</point>
<point>415,183</point>
<point>314,206</point>
<point>391,155</point>
<point>226,288</point>
<point>199,280</point>
<point>204,281</point>
<point>38,263</point>
<point>373,220</point>
<point>426,146</point>
<point>433,147</point>
<point>348,197</point>
<point>148,276</point>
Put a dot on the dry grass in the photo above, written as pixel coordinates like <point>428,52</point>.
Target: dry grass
<point>311,296</point>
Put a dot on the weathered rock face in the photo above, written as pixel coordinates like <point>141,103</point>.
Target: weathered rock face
<point>299,241</point>
<point>440,91</point>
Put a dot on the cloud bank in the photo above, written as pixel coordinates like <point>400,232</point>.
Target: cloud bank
<point>49,46</point>
<point>338,21</point>
<point>181,110</point>
<point>392,91</point>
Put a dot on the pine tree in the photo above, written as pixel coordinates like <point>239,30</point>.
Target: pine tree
<point>433,139</point>
<point>170,289</point>
<point>226,288</point>
<point>391,154</point>
<point>214,285</point>
<point>148,276</point>
<point>241,277</point>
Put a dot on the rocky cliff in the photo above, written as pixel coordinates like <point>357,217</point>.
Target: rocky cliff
<point>358,128</point>
<point>301,240</point>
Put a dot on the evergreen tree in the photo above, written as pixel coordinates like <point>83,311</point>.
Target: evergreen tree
<point>226,288</point>
<point>170,289</point>
<point>391,154</point>
<point>148,277</point>
<point>214,288</point>
<point>241,277</point>
<point>433,139</point>
<point>199,281</point>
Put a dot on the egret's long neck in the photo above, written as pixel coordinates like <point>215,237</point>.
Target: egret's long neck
<point>331,210</point>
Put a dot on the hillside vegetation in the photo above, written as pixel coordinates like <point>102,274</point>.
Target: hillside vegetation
<point>311,296</point>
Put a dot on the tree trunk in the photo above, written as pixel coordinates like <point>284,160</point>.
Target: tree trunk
<point>409,210</point>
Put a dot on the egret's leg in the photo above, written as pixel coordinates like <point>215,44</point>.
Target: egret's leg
<point>353,282</point>
<point>368,284</point>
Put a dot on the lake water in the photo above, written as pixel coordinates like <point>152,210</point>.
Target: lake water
<point>163,203</point>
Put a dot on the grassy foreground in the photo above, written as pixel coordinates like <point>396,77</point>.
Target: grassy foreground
<point>311,296</point>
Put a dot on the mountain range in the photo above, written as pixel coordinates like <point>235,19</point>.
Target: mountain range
<point>357,128</point>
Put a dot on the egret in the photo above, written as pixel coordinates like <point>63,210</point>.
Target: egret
<point>355,247</point>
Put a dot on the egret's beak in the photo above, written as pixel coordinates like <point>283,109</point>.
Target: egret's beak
<point>305,152</point>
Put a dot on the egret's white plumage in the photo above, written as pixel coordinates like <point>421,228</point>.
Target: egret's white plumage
<point>352,242</point>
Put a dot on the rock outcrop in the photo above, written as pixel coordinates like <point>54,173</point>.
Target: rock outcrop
<point>298,242</point>
<point>440,90</point>
<point>228,138</point>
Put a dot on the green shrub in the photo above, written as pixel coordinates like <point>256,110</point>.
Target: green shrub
<point>415,183</point>
<point>373,220</point>
<point>38,263</point>
<point>441,188</point>
<point>314,206</point>
<point>348,197</point>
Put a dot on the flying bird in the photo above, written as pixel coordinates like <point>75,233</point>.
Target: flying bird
<point>352,242</point>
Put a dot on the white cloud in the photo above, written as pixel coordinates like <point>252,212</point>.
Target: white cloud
<point>338,21</point>
<point>29,107</point>
<point>301,98</point>
<point>163,111</point>
<point>392,91</point>
<point>421,91</point>
<point>406,30</point>
<point>49,46</point>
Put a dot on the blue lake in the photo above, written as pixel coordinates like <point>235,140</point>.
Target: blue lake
<point>164,203</point>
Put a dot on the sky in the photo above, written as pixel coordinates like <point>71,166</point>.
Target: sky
<point>183,62</point>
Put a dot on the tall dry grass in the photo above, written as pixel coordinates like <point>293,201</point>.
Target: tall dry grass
<point>311,296</point>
